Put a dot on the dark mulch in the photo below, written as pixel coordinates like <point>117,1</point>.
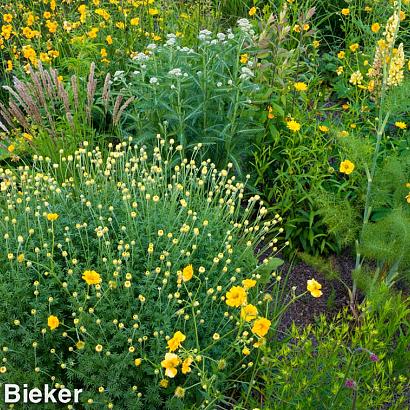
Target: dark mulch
<point>334,298</point>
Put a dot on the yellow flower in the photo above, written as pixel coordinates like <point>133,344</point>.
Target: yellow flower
<point>248,283</point>
<point>98,348</point>
<point>249,312</point>
<point>354,47</point>
<point>108,39</point>
<point>216,336</point>
<point>375,27</point>
<point>402,15</point>
<point>153,12</point>
<point>179,392</point>
<point>408,198</point>
<point>261,326</point>
<point>345,12</point>
<point>186,365</point>
<point>137,361</point>
<point>323,128</point>
<point>164,383</point>
<point>52,217</point>
<point>20,258</point>
<point>244,58</point>
<point>299,86</point>
<point>316,43</point>
<point>91,277</point>
<point>400,124</point>
<point>236,296</point>
<point>80,345</point>
<point>9,65</point>
<point>346,167</point>
<point>187,273</point>
<point>314,288</point>
<point>11,148</point>
<point>135,21</point>
<point>170,363</point>
<point>8,18</point>
<point>53,322</point>
<point>246,351</point>
<point>252,11</point>
<point>27,136</point>
<point>341,55</point>
<point>175,342</point>
<point>294,126</point>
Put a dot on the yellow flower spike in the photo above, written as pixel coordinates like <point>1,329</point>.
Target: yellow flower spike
<point>53,322</point>
<point>314,288</point>
<point>346,167</point>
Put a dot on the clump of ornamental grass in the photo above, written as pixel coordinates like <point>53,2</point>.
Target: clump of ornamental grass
<point>134,275</point>
<point>44,113</point>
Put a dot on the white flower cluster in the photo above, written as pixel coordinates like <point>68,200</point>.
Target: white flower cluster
<point>245,26</point>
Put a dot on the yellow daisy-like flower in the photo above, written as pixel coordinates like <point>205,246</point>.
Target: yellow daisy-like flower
<point>252,11</point>
<point>98,348</point>
<point>187,273</point>
<point>236,296</point>
<point>179,392</point>
<point>91,277</point>
<point>261,326</point>
<point>300,86</point>
<point>346,167</point>
<point>52,217</point>
<point>345,12</point>
<point>293,125</point>
<point>323,128</point>
<point>53,322</point>
<point>138,361</point>
<point>354,47</point>
<point>186,365</point>
<point>170,364</point>
<point>248,283</point>
<point>400,124</point>
<point>249,312</point>
<point>314,288</point>
<point>175,342</point>
<point>375,27</point>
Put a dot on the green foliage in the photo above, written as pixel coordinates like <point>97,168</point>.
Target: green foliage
<point>140,221</point>
<point>311,369</point>
<point>203,95</point>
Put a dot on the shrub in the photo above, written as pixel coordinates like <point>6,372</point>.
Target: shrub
<point>134,276</point>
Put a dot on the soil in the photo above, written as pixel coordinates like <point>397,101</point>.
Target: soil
<point>335,295</point>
